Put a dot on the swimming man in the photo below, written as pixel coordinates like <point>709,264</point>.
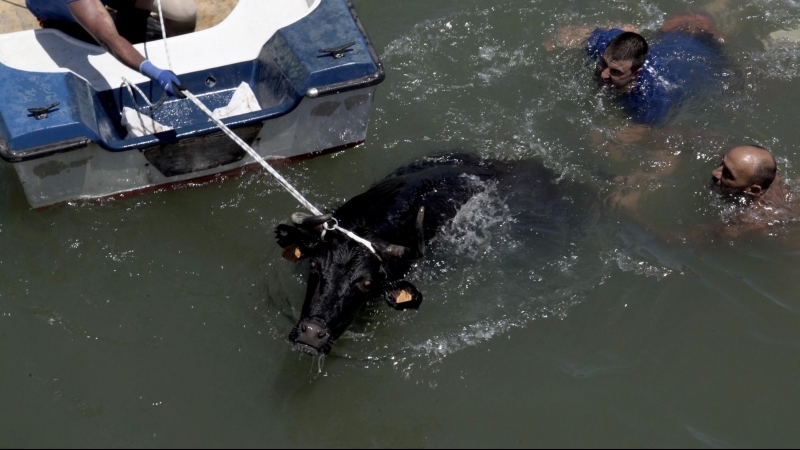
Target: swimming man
<point>180,17</point>
<point>649,79</point>
<point>749,176</point>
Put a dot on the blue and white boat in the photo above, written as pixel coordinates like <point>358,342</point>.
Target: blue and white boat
<point>310,64</point>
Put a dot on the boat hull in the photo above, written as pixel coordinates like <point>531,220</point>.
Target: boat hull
<point>316,125</point>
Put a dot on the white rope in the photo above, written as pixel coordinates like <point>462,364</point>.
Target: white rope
<point>295,193</point>
<point>152,107</point>
<point>164,35</point>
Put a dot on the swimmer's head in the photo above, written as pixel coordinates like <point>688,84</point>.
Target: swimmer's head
<point>623,61</point>
<point>748,170</point>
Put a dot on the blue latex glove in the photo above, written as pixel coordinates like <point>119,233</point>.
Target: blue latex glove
<point>165,78</point>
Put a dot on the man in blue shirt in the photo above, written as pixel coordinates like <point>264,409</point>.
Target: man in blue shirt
<point>650,79</point>
<point>180,17</point>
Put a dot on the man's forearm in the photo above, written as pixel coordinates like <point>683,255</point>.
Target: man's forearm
<point>123,51</point>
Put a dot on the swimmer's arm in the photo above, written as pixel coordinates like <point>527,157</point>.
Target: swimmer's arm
<point>629,189</point>
<point>614,145</point>
<point>571,37</point>
<point>568,38</point>
<point>628,193</point>
<point>707,234</point>
<point>626,196</point>
<point>632,134</point>
<point>93,17</point>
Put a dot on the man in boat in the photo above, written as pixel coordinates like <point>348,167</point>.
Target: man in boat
<point>180,17</point>
<point>649,79</point>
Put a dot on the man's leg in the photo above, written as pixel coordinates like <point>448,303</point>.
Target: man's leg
<point>180,16</point>
<point>132,23</point>
<point>691,23</point>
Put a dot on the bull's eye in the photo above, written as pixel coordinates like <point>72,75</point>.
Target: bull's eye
<point>313,265</point>
<point>364,285</point>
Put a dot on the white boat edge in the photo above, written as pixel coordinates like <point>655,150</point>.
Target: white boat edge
<point>316,126</point>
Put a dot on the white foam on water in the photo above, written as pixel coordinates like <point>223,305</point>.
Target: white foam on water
<point>470,231</point>
<point>627,263</point>
<point>652,16</point>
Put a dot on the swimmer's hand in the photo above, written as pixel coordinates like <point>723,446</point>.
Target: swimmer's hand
<point>165,78</point>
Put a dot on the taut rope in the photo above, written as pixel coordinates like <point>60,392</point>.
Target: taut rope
<point>286,185</point>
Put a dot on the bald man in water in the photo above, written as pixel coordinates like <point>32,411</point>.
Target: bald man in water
<point>749,175</point>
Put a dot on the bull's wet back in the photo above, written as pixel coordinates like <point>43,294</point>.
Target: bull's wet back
<point>162,320</point>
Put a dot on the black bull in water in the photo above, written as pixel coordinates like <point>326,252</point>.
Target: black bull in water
<point>399,215</point>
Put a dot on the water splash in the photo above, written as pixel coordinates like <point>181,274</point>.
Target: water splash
<point>627,263</point>
<point>470,232</point>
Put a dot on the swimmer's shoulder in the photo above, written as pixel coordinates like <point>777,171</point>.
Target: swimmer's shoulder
<point>780,195</point>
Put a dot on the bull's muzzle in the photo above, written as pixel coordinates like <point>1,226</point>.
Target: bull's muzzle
<point>311,337</point>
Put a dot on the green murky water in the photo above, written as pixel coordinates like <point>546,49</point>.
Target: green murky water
<point>161,320</point>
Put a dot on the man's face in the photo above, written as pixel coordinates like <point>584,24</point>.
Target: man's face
<point>735,173</point>
<point>617,73</point>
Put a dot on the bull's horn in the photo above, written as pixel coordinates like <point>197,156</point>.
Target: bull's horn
<point>421,231</point>
<point>396,251</point>
<point>304,220</point>
<point>407,253</point>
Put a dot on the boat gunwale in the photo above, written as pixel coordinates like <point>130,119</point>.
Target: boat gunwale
<point>370,80</point>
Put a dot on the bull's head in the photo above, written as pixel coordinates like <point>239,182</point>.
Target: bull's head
<point>343,277</point>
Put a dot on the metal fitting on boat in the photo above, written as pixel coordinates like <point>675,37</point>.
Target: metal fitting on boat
<point>313,92</point>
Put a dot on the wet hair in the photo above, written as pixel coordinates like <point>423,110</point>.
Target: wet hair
<point>628,46</point>
<point>766,169</point>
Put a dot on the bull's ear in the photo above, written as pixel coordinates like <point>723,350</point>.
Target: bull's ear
<point>295,242</point>
<point>292,253</point>
<point>403,296</point>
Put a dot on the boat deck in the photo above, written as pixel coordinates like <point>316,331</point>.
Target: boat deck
<point>14,16</point>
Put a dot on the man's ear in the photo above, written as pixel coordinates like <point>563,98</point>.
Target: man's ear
<point>755,190</point>
<point>638,71</point>
<point>403,296</point>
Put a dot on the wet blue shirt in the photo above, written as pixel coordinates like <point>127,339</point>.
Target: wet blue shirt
<point>678,64</point>
<point>52,9</point>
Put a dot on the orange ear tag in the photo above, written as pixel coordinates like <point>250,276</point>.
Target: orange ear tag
<point>292,253</point>
<point>404,297</point>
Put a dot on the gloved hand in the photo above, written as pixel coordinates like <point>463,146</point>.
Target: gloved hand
<point>165,78</point>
